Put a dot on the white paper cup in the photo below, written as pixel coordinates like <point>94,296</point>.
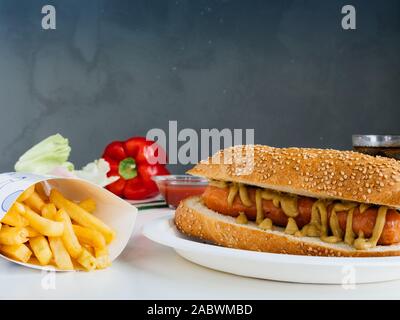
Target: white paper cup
<point>112,210</point>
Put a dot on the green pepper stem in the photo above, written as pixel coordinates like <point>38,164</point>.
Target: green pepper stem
<point>127,168</point>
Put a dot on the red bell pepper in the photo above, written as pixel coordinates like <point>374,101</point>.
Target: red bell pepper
<point>135,162</point>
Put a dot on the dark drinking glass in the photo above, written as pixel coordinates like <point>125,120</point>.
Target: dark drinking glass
<point>378,145</point>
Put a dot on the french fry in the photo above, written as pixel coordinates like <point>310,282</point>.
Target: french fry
<point>14,218</point>
<point>18,252</point>
<point>49,211</point>
<point>86,260</point>
<point>31,232</point>
<point>45,226</point>
<point>89,248</point>
<point>102,258</point>
<point>89,236</point>
<point>35,202</point>
<point>13,235</point>
<point>89,205</point>
<point>60,254</point>
<point>41,192</point>
<point>69,238</point>
<point>26,194</point>
<point>81,216</point>
<point>41,249</point>
<point>51,236</point>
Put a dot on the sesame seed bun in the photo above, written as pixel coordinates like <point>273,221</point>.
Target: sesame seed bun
<point>317,173</point>
<point>194,219</point>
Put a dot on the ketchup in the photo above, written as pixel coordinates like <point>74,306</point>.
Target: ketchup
<point>174,193</point>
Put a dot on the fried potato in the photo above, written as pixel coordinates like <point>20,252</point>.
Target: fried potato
<point>41,249</point>
<point>14,218</point>
<point>89,205</point>
<point>13,235</point>
<point>26,194</point>
<point>31,232</point>
<point>69,238</point>
<point>49,211</point>
<point>102,258</point>
<point>60,254</point>
<point>35,202</point>
<point>43,225</point>
<point>86,260</point>
<point>89,236</point>
<point>39,229</point>
<point>81,216</point>
<point>18,252</point>
<point>39,188</point>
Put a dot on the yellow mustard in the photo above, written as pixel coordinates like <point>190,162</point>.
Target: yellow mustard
<point>241,218</point>
<point>361,243</point>
<point>218,184</point>
<point>233,190</point>
<point>288,203</point>
<point>349,234</point>
<point>266,224</point>
<point>291,227</point>
<point>333,220</point>
<point>260,212</point>
<point>318,226</point>
<point>363,207</point>
<point>244,197</point>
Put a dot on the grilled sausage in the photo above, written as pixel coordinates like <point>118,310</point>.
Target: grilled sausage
<point>216,199</point>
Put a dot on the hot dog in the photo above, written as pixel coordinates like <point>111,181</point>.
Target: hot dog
<point>297,201</point>
<point>216,199</point>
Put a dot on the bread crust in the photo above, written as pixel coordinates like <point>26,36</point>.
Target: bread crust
<point>196,220</point>
<point>317,173</point>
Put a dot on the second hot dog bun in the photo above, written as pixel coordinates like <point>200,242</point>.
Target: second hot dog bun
<point>317,173</point>
<point>194,219</point>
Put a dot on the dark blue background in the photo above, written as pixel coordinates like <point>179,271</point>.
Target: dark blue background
<point>113,69</point>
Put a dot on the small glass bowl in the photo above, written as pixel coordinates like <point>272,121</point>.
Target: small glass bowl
<point>175,188</point>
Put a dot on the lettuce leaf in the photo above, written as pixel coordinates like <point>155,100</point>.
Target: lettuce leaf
<point>48,154</point>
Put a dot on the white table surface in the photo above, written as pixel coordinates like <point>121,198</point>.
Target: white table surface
<point>146,270</point>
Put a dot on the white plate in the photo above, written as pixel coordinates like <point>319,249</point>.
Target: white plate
<point>291,268</point>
